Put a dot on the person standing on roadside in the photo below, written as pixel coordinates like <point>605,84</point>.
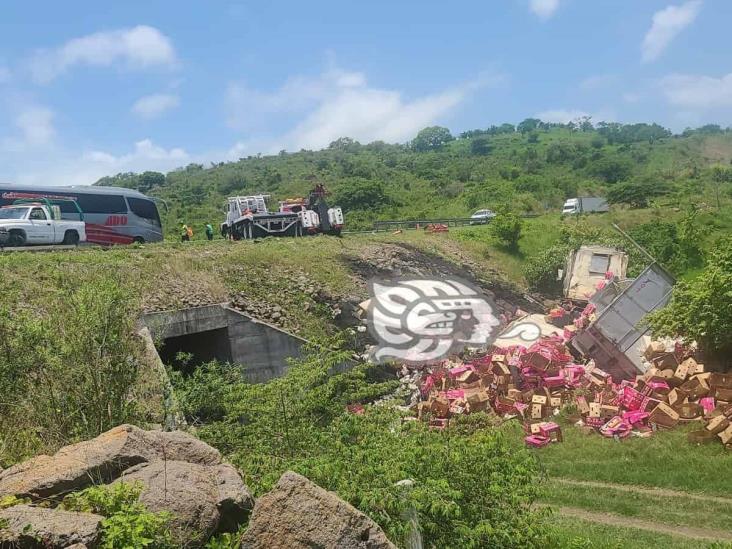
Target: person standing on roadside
<point>189,232</point>
<point>209,231</point>
<point>184,236</point>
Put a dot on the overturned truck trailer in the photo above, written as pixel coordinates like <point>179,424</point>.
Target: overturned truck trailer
<point>617,337</point>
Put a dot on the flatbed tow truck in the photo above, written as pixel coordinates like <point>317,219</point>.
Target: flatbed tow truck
<point>247,217</point>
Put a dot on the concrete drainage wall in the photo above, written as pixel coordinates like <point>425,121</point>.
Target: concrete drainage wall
<point>219,332</point>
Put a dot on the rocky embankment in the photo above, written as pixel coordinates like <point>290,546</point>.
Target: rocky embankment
<point>183,476</point>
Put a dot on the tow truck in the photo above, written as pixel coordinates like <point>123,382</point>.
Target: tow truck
<point>248,217</point>
<point>38,221</point>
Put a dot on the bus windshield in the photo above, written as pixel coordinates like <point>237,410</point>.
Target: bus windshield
<point>12,213</point>
<point>145,209</point>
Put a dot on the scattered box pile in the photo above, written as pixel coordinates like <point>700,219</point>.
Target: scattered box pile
<point>534,383</point>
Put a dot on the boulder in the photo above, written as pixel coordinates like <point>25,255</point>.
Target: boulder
<point>100,460</point>
<point>36,527</point>
<point>202,499</point>
<point>298,514</point>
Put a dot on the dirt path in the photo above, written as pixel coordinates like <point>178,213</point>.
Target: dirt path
<point>610,519</point>
<point>660,492</point>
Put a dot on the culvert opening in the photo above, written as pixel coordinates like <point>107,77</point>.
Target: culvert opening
<point>187,352</point>
<point>217,332</point>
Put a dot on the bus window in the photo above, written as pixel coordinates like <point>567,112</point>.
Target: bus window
<point>101,203</point>
<point>145,209</point>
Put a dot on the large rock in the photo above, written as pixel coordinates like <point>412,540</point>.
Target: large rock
<point>202,499</point>
<point>298,514</point>
<point>100,460</point>
<point>36,527</point>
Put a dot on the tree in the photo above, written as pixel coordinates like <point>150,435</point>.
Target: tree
<point>149,180</point>
<point>480,146</point>
<point>431,139</point>
<point>506,227</point>
<point>597,142</point>
<point>661,239</point>
<point>361,194</point>
<point>636,194</point>
<point>701,309</point>
<point>611,169</point>
<point>344,144</point>
<point>533,137</point>
<point>528,125</point>
<point>720,175</point>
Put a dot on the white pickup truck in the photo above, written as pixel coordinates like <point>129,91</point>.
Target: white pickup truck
<point>38,223</point>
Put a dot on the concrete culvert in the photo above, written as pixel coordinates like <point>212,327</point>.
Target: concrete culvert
<point>217,332</point>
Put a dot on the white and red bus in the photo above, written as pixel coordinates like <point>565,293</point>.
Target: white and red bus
<point>113,215</point>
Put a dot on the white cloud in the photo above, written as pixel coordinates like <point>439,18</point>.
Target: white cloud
<point>36,126</point>
<point>248,107</point>
<point>543,8</point>
<point>64,167</point>
<point>667,24</point>
<point>336,104</point>
<point>698,92</point>
<point>145,156</point>
<point>152,106</point>
<point>563,116</point>
<point>369,115</point>
<point>136,47</point>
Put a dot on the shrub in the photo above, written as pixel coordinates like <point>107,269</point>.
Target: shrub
<point>701,309</point>
<point>612,169</point>
<point>506,228</point>
<point>361,194</point>
<point>637,194</point>
<point>67,369</point>
<point>540,271</point>
<point>480,146</point>
<point>201,395</point>
<point>127,522</point>
<point>472,486</point>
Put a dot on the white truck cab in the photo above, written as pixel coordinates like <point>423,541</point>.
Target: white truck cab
<point>29,223</point>
<point>571,206</point>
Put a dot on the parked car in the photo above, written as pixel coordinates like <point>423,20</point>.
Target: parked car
<point>481,217</point>
<point>30,222</point>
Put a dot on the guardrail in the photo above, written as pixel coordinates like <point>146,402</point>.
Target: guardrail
<point>421,223</point>
<point>414,223</point>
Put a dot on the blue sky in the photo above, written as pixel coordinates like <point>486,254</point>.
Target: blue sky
<point>89,88</point>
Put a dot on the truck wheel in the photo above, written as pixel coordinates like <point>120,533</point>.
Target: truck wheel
<point>138,240</point>
<point>71,238</point>
<point>16,239</point>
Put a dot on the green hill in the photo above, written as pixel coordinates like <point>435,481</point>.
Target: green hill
<point>532,170</point>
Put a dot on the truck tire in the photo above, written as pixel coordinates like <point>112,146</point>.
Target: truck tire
<point>16,239</point>
<point>71,238</point>
<point>138,240</point>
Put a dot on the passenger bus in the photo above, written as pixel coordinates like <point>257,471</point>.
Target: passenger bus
<point>113,215</point>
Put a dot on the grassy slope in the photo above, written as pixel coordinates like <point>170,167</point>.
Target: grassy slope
<point>173,273</point>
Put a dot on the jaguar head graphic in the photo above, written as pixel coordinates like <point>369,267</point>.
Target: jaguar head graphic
<point>423,320</point>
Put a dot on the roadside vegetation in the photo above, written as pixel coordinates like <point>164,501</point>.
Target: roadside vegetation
<point>471,485</point>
